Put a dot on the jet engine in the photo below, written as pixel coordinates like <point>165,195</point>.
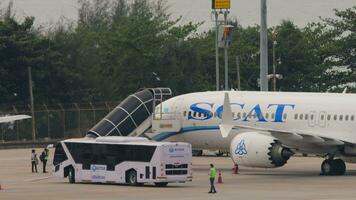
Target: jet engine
<point>254,149</point>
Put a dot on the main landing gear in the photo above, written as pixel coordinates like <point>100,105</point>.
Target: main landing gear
<point>332,166</point>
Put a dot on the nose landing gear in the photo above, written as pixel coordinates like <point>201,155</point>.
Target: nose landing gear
<point>333,167</point>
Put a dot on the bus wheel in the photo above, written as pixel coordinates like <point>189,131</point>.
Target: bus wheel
<point>71,175</point>
<point>161,184</point>
<point>132,177</point>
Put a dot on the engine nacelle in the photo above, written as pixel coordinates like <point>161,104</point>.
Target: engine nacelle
<point>256,150</point>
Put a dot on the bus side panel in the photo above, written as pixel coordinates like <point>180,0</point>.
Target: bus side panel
<point>122,168</point>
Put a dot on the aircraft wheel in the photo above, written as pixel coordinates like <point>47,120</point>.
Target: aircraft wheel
<point>326,167</point>
<point>333,167</point>
<point>341,167</point>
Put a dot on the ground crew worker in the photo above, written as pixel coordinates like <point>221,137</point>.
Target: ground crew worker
<point>212,175</point>
<point>44,159</point>
<point>34,161</point>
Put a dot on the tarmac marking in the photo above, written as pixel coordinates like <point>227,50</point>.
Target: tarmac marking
<point>37,179</point>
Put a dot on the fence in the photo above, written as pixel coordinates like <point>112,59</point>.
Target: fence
<point>57,121</point>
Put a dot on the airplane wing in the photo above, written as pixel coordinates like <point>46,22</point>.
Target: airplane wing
<point>12,118</point>
<point>291,136</point>
<point>296,136</point>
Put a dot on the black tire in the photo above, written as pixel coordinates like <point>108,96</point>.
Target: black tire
<point>327,167</point>
<point>71,175</point>
<point>333,167</point>
<point>132,177</point>
<point>340,167</point>
<point>161,184</point>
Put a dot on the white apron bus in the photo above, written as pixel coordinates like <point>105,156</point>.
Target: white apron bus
<point>115,159</point>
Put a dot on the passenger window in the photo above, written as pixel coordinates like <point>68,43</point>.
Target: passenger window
<point>244,115</point>
<point>194,114</point>
<point>346,118</point>
<point>199,114</point>
<point>322,117</point>
<point>329,117</point>
<point>272,115</point>
<point>239,115</point>
<point>301,116</point>
<point>312,117</point>
<point>352,118</point>
<point>295,116</point>
<point>266,115</point>
<point>335,117</point>
<point>190,113</point>
<point>285,116</point>
<point>306,116</point>
<point>185,113</point>
<point>340,117</point>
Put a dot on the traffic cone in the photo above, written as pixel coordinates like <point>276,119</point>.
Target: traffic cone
<point>235,169</point>
<point>220,177</point>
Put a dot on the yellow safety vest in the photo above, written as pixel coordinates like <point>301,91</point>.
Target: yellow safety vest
<point>212,173</point>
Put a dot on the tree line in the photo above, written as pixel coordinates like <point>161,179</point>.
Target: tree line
<point>115,48</point>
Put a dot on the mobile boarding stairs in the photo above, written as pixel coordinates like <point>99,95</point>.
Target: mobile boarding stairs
<point>138,115</point>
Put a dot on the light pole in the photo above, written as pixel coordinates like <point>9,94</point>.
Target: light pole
<point>218,6</point>
<point>217,50</point>
<point>32,103</point>
<point>226,56</point>
<point>274,60</point>
<point>238,73</point>
<point>263,48</point>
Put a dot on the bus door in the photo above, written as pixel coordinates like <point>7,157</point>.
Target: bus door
<point>98,167</point>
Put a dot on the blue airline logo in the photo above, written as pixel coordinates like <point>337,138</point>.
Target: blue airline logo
<point>241,148</point>
<point>206,110</point>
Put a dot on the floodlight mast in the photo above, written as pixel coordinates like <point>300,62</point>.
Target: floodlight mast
<point>217,51</point>
<point>221,7</point>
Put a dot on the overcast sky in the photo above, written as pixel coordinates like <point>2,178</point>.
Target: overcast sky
<point>246,11</point>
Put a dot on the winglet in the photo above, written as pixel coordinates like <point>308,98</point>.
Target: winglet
<point>226,124</point>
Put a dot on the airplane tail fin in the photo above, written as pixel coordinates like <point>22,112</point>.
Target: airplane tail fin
<point>226,124</point>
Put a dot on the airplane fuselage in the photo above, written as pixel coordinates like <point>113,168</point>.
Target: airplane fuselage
<point>326,115</point>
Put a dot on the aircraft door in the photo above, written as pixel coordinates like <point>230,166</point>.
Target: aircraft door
<point>322,119</point>
<point>312,118</point>
<point>177,108</point>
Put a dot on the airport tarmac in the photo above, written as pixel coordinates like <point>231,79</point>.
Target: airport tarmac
<point>299,179</point>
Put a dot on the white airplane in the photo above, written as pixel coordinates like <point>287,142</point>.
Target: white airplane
<point>263,129</point>
<point>11,118</point>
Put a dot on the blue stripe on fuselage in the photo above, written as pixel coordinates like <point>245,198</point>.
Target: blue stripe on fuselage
<point>165,135</point>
